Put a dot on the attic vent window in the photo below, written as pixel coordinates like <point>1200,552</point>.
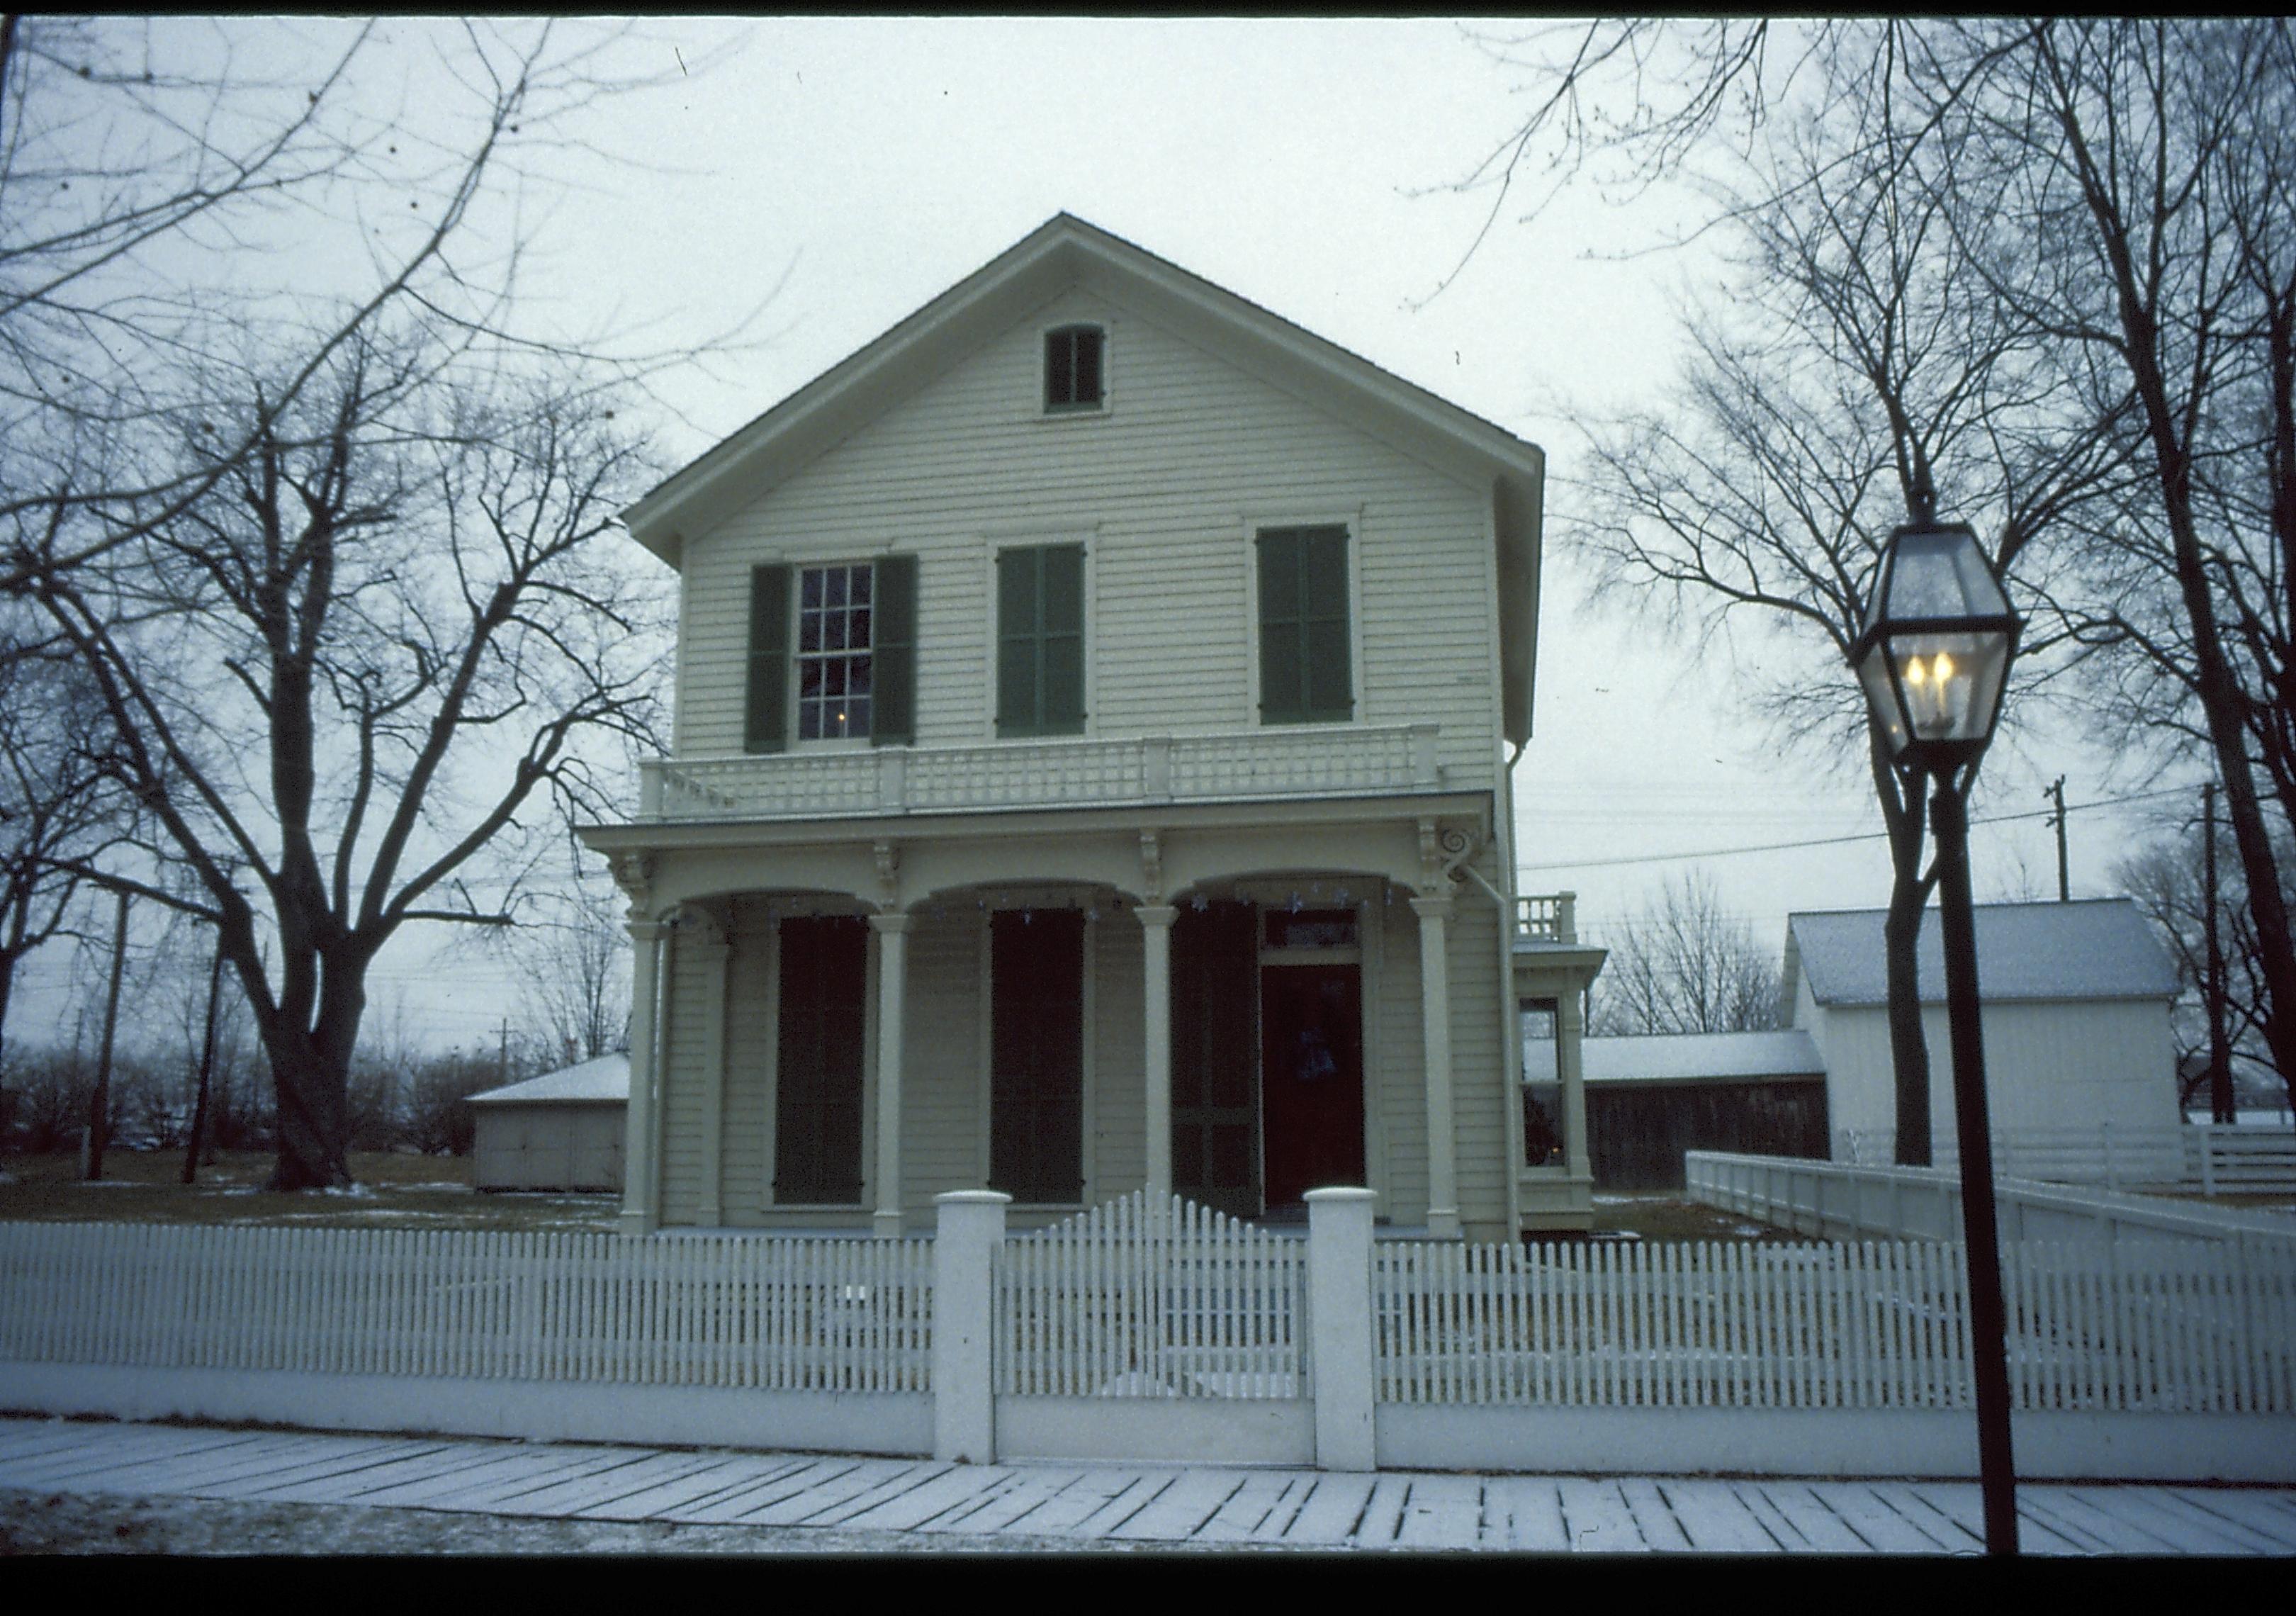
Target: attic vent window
<point>1072,368</point>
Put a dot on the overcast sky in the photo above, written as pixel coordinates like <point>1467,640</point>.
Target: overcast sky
<point>864,165</point>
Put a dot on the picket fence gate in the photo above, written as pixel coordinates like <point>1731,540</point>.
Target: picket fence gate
<point>1155,1297</point>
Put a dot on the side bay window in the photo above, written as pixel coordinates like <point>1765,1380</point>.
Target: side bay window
<point>1306,675</point>
<point>1040,641</point>
<point>832,653</point>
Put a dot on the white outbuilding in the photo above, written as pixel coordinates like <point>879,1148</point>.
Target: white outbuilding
<point>2076,999</point>
<point>559,1131</point>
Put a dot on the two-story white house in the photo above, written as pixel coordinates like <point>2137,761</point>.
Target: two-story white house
<point>1094,701</point>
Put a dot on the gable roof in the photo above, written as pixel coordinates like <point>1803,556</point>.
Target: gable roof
<point>1066,251</point>
<point>603,1079</point>
<point>2099,948</point>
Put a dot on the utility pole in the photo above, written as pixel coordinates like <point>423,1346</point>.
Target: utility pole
<point>99,1103</point>
<point>2064,881</point>
<point>2220,1098</point>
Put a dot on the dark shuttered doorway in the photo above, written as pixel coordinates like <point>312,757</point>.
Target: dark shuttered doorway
<point>1215,1058</point>
<point>817,1084</point>
<point>1035,1079</point>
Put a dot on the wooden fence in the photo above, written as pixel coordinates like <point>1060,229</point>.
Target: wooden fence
<point>2215,1160</point>
<point>1870,1325</point>
<point>795,1315</point>
<point>1151,1297</point>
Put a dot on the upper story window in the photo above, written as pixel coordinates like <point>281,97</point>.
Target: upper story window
<point>1306,673</point>
<point>832,653</point>
<point>1040,641</point>
<point>1073,372</point>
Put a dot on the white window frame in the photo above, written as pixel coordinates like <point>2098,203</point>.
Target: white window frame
<point>1107,327</point>
<point>796,684</point>
<point>1253,526</point>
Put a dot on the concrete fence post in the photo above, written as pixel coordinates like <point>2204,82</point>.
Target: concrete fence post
<point>1339,1327</point>
<point>971,1227</point>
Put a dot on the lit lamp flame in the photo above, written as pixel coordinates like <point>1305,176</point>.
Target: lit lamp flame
<point>1932,712</point>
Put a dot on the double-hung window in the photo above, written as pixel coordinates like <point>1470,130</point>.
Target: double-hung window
<point>832,653</point>
<point>1073,371</point>
<point>1306,674</point>
<point>1040,641</point>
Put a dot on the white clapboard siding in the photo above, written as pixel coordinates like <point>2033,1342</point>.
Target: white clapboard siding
<point>1872,1326</point>
<point>1161,488</point>
<point>1151,1297</point>
<point>783,1314</point>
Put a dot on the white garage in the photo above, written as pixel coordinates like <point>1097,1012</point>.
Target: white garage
<point>559,1131</point>
<point>2075,1009</point>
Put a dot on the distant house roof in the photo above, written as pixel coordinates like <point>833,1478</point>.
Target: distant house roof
<point>604,1078</point>
<point>2099,948</point>
<point>1687,1057</point>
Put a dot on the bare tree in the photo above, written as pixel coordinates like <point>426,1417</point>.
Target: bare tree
<point>1859,366</point>
<point>2149,169</point>
<point>1684,965</point>
<point>55,812</point>
<point>2122,193</point>
<point>573,956</point>
<point>352,665</point>
<point>2169,881</point>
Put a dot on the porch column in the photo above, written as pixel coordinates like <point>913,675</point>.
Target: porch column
<point>1569,1028</point>
<point>1435,1022</point>
<point>709,951</point>
<point>641,1172</point>
<point>892,990</point>
<point>1156,952</point>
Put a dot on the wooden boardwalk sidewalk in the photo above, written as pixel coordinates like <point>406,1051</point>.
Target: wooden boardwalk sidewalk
<point>1123,1504</point>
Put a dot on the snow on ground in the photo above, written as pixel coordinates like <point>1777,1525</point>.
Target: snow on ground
<point>65,1523</point>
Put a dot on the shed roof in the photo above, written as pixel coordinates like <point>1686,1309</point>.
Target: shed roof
<point>1066,250</point>
<point>605,1079</point>
<point>2097,948</point>
<point>1688,1057</point>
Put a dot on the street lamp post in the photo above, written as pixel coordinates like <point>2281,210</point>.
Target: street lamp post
<point>1933,657</point>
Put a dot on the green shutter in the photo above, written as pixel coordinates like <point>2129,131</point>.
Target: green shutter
<point>1040,641</point>
<point>1305,664</point>
<point>765,724</point>
<point>893,708</point>
<point>1016,642</point>
<point>1060,686</point>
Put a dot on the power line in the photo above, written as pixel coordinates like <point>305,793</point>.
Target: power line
<point>1829,841</point>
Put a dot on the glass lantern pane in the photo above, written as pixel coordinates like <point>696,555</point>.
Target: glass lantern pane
<point>1951,682</point>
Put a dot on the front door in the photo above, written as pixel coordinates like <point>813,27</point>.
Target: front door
<point>1310,1078</point>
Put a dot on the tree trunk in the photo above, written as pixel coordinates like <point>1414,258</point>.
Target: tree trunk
<point>206,1069</point>
<point>310,1070</point>
<point>1906,817</point>
<point>99,1103</point>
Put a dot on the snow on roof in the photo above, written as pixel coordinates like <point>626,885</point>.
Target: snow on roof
<point>1688,1056</point>
<point>2099,948</point>
<point>606,1077</point>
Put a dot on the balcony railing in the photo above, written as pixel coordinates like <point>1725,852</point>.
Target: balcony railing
<point>1239,765</point>
<point>1550,918</point>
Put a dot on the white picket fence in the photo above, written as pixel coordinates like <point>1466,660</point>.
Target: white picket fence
<point>2215,1160</point>
<point>1153,1296</point>
<point>1870,1325</point>
<point>795,1315</point>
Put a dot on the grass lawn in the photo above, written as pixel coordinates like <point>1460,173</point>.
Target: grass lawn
<point>394,1192</point>
<point>403,1191</point>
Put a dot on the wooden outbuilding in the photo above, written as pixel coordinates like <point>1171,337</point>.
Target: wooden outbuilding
<point>563,1130</point>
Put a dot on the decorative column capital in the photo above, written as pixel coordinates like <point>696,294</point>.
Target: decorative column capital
<point>1158,915</point>
<point>1434,908</point>
<point>648,930</point>
<point>891,923</point>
